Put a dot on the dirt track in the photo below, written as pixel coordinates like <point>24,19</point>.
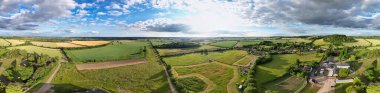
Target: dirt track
<point>111,64</point>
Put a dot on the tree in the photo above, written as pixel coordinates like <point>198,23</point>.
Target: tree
<point>2,86</point>
<point>343,73</point>
<point>374,63</point>
<point>13,89</point>
<point>359,85</point>
<point>249,89</point>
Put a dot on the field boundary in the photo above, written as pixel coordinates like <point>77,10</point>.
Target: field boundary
<point>111,64</point>
<point>210,84</point>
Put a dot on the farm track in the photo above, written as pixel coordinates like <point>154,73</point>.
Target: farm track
<point>112,64</point>
<point>210,85</point>
<point>230,88</point>
<point>252,61</point>
<point>47,85</point>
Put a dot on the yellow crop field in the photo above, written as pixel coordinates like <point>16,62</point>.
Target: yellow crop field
<point>360,42</point>
<point>45,44</point>
<point>375,42</point>
<point>15,42</point>
<point>4,43</point>
<point>68,45</point>
<point>40,50</point>
<point>90,43</point>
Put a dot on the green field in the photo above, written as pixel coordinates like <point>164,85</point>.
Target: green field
<point>183,50</point>
<point>360,42</point>
<point>310,89</point>
<point>218,74</point>
<point>228,57</point>
<point>245,60</point>
<point>193,84</point>
<point>115,51</point>
<point>157,42</point>
<point>3,42</point>
<point>320,42</point>
<point>40,50</point>
<point>142,78</point>
<point>278,66</point>
<point>297,40</point>
<point>225,44</point>
<point>287,84</point>
<point>248,42</point>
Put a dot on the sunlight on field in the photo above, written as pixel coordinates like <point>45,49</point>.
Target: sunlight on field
<point>40,50</point>
<point>15,42</point>
<point>90,43</point>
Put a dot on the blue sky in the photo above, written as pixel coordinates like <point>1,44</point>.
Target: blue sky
<point>188,18</point>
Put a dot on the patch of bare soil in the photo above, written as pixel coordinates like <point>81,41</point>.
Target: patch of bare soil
<point>110,64</point>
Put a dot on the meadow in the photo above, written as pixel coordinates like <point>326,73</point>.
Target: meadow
<point>3,42</point>
<point>90,43</point>
<point>217,73</point>
<point>297,40</point>
<point>141,78</point>
<point>224,44</point>
<point>228,57</point>
<point>45,44</point>
<point>375,42</point>
<point>278,66</point>
<point>248,42</point>
<point>114,51</point>
<point>287,84</point>
<point>15,42</point>
<point>360,42</point>
<point>244,61</point>
<point>193,84</point>
<point>157,42</point>
<point>40,50</point>
<point>320,42</point>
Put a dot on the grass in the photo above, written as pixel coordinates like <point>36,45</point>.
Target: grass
<point>183,50</point>
<point>248,42</point>
<point>288,84</point>
<point>277,67</point>
<point>225,44</point>
<point>45,44</point>
<point>341,87</point>
<point>157,42</point>
<point>90,43</point>
<point>3,42</point>
<point>320,42</point>
<point>142,78</point>
<point>192,83</point>
<point>360,42</point>
<point>310,89</point>
<point>228,57</point>
<point>40,50</point>
<point>115,51</point>
<point>375,42</point>
<point>218,74</point>
<point>15,42</point>
<point>298,40</point>
<point>246,60</point>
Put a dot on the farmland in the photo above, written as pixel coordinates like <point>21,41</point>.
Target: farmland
<point>360,42</point>
<point>375,42</point>
<point>15,42</point>
<point>212,71</point>
<point>184,50</point>
<point>3,42</point>
<point>277,67</point>
<point>40,50</point>
<point>244,61</point>
<point>228,57</point>
<point>114,51</point>
<point>224,44</point>
<point>286,84</point>
<point>298,40</point>
<point>134,78</point>
<point>90,43</point>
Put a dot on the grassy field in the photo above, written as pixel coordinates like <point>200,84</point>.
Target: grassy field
<point>341,88</point>
<point>277,67</point>
<point>373,47</point>
<point>40,50</point>
<point>297,40</point>
<point>245,60</point>
<point>375,42</point>
<point>320,42</point>
<point>192,83</point>
<point>228,57</point>
<point>218,74</point>
<point>248,42</point>
<point>157,42</point>
<point>115,51</point>
<point>310,89</point>
<point>3,42</point>
<point>15,42</point>
<point>360,42</point>
<point>173,51</point>
<point>288,84</point>
<point>142,78</point>
<point>225,44</point>
<point>45,44</point>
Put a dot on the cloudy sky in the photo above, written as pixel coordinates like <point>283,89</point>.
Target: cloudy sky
<point>190,18</point>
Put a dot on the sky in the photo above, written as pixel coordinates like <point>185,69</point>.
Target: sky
<point>188,18</point>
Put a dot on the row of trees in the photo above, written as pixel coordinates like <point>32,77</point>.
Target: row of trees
<point>338,39</point>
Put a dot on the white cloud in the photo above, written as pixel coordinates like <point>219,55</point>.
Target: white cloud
<point>85,5</point>
<point>82,13</point>
<point>101,13</point>
<point>115,13</point>
<point>94,32</point>
<point>115,6</point>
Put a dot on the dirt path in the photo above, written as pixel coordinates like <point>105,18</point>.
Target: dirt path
<point>210,85</point>
<point>112,64</point>
<point>171,85</point>
<point>230,85</point>
<point>47,85</point>
<point>326,88</point>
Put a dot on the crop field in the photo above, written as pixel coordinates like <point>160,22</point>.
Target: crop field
<point>373,47</point>
<point>157,42</point>
<point>288,84</point>
<point>277,67</point>
<point>45,44</point>
<point>244,61</point>
<point>297,40</point>
<point>56,44</point>
<point>228,57</point>
<point>15,42</point>
<point>115,51</point>
<point>248,42</point>
<point>40,50</point>
<point>375,42</point>
<point>90,43</point>
<point>183,50</point>
<point>220,75</point>
<point>141,78</point>
<point>225,44</point>
<point>3,42</point>
<point>320,42</point>
<point>68,45</point>
<point>360,42</point>
<point>192,83</point>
